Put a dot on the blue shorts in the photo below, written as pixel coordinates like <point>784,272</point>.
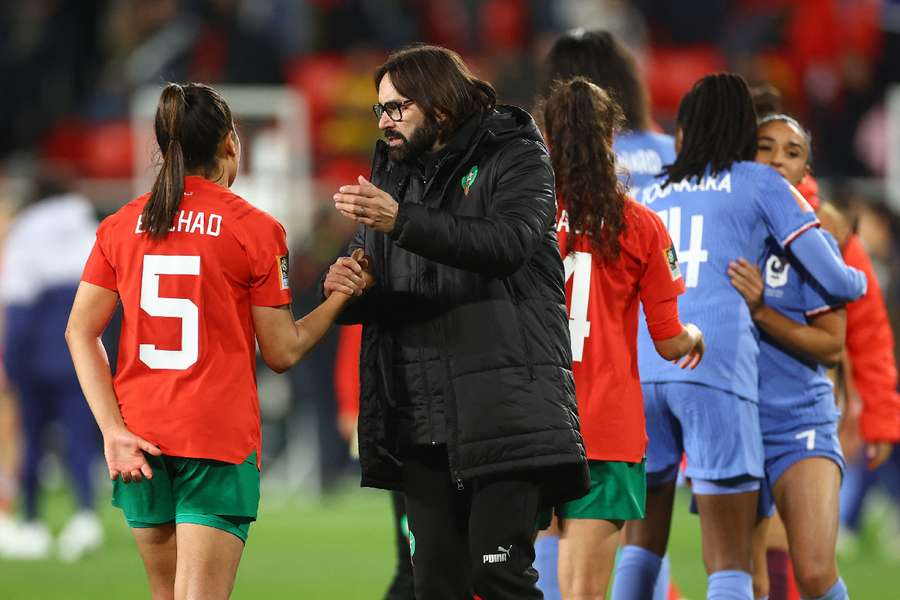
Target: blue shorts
<point>789,445</point>
<point>719,432</point>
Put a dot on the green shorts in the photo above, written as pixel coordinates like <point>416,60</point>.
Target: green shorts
<point>191,490</point>
<point>618,493</point>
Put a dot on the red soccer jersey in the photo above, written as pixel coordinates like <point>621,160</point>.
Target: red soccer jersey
<point>602,299</point>
<point>186,374</point>
<point>870,345</point>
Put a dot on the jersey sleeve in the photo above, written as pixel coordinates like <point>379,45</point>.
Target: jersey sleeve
<point>661,279</point>
<point>661,282</point>
<point>815,300</point>
<point>99,269</point>
<point>783,209</point>
<point>269,267</point>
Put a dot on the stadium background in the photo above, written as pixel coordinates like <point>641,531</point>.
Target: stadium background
<point>77,76</point>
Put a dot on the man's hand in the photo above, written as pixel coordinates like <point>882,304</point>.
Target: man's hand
<point>747,280</point>
<point>124,454</point>
<point>350,275</point>
<point>367,204</point>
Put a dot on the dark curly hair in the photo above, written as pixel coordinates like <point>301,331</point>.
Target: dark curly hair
<point>579,120</point>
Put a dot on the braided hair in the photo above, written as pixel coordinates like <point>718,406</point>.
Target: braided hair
<point>718,127</point>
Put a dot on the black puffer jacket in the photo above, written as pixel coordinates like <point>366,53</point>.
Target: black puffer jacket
<point>489,288</point>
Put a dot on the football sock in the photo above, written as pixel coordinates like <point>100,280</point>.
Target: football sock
<point>662,581</point>
<point>837,592</point>
<point>730,585</point>
<point>777,564</point>
<point>546,555</point>
<point>636,574</point>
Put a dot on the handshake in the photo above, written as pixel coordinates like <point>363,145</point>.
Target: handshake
<point>350,275</point>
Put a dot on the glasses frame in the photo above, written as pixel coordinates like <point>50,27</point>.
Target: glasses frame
<point>380,109</point>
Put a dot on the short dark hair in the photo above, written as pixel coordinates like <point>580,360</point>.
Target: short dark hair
<point>718,127</point>
<point>604,61</point>
<point>438,81</point>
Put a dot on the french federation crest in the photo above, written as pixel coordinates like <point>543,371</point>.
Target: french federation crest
<point>469,179</point>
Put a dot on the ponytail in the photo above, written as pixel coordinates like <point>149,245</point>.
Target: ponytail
<point>168,188</point>
<point>191,121</point>
<point>579,121</point>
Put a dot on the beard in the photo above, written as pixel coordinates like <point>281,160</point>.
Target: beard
<point>421,141</point>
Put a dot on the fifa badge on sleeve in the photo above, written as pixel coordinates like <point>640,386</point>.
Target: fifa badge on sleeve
<point>284,271</point>
<point>672,261</point>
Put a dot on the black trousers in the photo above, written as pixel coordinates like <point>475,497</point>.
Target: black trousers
<point>478,539</point>
<point>401,587</point>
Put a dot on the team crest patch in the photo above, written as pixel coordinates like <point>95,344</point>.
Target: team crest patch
<point>469,179</point>
<point>284,271</point>
<point>672,260</point>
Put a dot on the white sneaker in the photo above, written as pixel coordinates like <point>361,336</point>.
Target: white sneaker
<point>29,541</point>
<point>7,531</point>
<point>82,534</point>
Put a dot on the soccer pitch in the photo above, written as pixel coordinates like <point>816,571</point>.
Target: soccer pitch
<point>336,549</point>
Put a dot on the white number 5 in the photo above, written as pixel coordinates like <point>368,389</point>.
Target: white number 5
<point>179,308</point>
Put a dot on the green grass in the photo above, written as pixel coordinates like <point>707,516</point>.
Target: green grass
<point>339,549</point>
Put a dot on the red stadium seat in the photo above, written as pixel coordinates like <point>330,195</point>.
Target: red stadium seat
<point>672,71</point>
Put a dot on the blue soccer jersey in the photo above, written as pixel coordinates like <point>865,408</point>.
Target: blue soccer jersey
<point>641,156</point>
<point>713,221</point>
<point>792,388</point>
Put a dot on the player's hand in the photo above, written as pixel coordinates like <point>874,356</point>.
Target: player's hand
<point>367,204</point>
<point>748,281</point>
<point>346,276</point>
<point>124,452</point>
<point>365,263</point>
<point>695,354</point>
<point>346,426</point>
<point>877,454</point>
<point>835,223</point>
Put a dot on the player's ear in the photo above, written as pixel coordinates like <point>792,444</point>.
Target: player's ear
<point>230,145</point>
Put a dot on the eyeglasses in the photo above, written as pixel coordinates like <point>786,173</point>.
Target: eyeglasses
<point>393,109</point>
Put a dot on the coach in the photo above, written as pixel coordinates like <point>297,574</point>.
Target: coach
<point>467,401</point>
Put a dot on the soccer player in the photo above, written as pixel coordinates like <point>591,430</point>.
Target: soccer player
<point>616,253</point>
<point>721,205</point>
<point>48,242</point>
<point>798,416</point>
<point>203,277</point>
<point>607,63</point>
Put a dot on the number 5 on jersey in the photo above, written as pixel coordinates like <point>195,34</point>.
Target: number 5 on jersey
<point>179,308</point>
<point>578,265</point>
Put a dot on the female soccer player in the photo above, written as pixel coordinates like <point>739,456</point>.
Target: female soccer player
<point>717,205</point>
<point>640,154</point>
<point>616,254</point>
<point>202,276</point>
<point>801,332</point>
<point>607,63</point>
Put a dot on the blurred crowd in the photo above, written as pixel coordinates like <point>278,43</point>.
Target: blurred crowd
<point>71,68</point>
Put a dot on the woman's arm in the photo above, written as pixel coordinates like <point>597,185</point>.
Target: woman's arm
<point>822,340</point>
<point>283,341</point>
<point>91,311</point>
